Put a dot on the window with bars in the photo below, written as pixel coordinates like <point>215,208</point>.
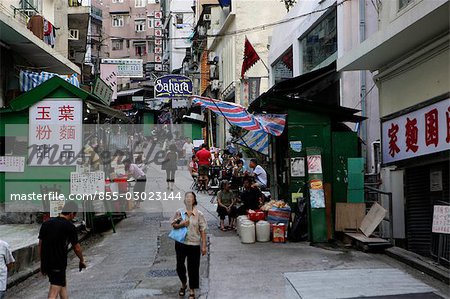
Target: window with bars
<point>151,22</point>
<point>139,25</point>
<point>117,44</point>
<point>140,3</point>
<point>118,21</point>
<point>140,49</point>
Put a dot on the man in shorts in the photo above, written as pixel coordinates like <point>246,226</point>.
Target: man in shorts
<point>204,160</point>
<point>54,238</point>
<point>6,264</point>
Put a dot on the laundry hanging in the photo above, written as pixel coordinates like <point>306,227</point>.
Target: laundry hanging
<point>29,80</point>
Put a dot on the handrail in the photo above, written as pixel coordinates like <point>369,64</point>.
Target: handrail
<point>389,194</point>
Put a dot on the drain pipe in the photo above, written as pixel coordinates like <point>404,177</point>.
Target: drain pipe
<point>363,88</point>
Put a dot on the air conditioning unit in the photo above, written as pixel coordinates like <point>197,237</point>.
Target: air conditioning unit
<point>215,85</point>
<point>207,17</point>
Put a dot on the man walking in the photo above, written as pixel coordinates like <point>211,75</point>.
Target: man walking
<point>54,238</point>
<point>6,264</point>
<point>188,150</point>
<point>204,160</point>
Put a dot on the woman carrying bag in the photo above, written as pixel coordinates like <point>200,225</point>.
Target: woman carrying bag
<point>170,166</point>
<point>189,232</point>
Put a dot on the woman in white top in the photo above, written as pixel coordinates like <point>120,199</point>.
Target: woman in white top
<point>193,245</point>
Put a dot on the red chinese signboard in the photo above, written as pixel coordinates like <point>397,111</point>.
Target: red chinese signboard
<point>421,132</point>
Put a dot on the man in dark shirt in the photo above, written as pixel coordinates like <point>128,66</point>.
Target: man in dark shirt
<point>251,197</point>
<point>54,238</point>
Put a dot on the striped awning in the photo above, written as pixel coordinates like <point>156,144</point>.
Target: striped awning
<point>29,80</point>
<point>255,140</point>
<point>239,116</point>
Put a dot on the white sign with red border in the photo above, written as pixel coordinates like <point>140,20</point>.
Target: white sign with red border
<point>421,132</point>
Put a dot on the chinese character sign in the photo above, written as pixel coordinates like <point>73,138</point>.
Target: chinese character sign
<point>55,132</point>
<point>441,220</point>
<point>421,132</point>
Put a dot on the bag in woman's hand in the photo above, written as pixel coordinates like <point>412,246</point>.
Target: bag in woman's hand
<point>179,234</point>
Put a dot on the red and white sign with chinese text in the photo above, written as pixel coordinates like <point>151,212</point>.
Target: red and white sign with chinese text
<point>55,132</point>
<point>421,132</point>
<point>158,32</point>
<point>158,14</point>
<point>158,23</point>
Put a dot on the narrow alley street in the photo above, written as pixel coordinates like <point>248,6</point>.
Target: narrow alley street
<point>138,261</point>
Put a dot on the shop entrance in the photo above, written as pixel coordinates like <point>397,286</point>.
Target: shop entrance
<point>425,187</point>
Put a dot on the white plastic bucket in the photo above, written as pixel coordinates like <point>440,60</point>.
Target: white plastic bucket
<point>248,232</point>
<point>263,231</point>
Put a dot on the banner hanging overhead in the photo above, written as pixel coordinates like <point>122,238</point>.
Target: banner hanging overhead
<point>239,116</point>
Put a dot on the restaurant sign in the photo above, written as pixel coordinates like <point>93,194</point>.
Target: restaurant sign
<point>173,86</point>
<point>421,132</point>
<point>55,132</point>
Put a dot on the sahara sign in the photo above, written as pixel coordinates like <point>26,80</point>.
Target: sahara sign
<point>173,86</point>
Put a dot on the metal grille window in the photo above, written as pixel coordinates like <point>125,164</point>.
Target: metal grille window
<point>320,43</point>
<point>140,49</point>
<point>117,44</point>
<point>140,3</point>
<point>117,21</point>
<point>139,25</point>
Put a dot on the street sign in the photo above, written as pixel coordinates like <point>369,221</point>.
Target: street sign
<point>103,91</point>
<point>130,68</point>
<point>171,86</point>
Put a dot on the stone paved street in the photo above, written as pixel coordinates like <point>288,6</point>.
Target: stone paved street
<point>139,261</point>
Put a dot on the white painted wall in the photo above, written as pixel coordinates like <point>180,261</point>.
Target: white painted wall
<point>413,85</point>
<point>177,46</point>
<point>230,48</point>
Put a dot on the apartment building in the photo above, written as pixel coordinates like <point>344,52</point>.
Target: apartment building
<point>132,29</point>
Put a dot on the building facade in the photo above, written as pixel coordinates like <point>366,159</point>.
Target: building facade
<point>226,32</point>
<point>315,34</point>
<point>179,27</point>
<point>132,29</point>
<point>409,57</point>
<point>31,48</point>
